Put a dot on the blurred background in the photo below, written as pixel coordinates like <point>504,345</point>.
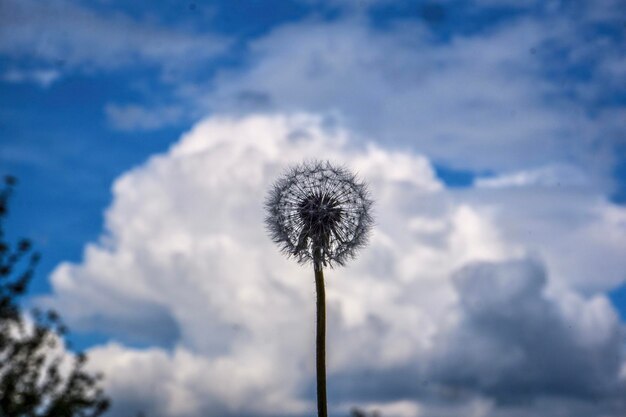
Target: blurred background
<point>492,134</point>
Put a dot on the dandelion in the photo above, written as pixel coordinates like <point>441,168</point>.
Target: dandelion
<point>319,214</point>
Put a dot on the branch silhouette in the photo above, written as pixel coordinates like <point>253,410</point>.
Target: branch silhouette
<point>33,379</point>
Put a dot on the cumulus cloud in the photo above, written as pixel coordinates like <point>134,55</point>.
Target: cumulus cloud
<point>503,308</point>
<point>575,230</point>
<point>449,309</point>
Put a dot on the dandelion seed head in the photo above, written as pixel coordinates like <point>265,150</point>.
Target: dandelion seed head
<point>319,213</point>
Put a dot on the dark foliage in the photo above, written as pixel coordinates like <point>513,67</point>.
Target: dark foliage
<point>33,381</point>
<point>357,412</point>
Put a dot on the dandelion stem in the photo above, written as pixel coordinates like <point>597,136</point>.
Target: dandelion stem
<point>321,337</point>
<point>321,214</point>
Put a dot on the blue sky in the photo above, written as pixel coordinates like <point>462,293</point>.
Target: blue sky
<point>512,113</point>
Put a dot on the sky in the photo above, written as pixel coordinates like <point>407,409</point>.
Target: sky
<point>492,135</point>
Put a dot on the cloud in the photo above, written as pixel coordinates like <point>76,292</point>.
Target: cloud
<point>548,176</point>
<point>502,98</point>
<point>43,77</point>
<point>503,308</point>
<point>447,310</point>
<point>402,88</point>
<point>130,117</point>
<point>77,38</point>
<point>572,228</point>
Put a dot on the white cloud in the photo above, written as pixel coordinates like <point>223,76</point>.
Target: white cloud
<point>135,117</point>
<point>185,245</point>
<point>573,229</point>
<point>182,383</point>
<point>43,77</point>
<point>548,176</point>
<point>480,101</point>
<point>64,33</point>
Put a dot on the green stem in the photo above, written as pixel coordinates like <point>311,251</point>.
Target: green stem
<point>320,340</point>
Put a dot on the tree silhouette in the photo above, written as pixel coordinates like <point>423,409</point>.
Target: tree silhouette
<point>357,412</point>
<point>37,378</point>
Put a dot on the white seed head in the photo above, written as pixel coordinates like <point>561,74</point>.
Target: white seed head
<point>319,213</point>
